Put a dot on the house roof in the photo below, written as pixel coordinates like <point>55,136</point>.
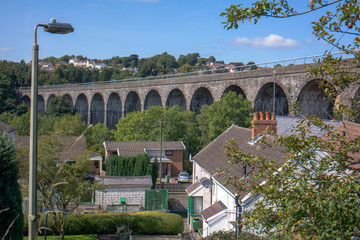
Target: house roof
<point>196,185</point>
<point>4,127</point>
<point>287,124</point>
<point>213,210</point>
<point>212,158</point>
<point>350,131</point>
<point>134,148</point>
<point>73,145</point>
<point>125,181</point>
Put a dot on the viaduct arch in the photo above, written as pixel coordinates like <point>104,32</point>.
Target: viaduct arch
<point>108,102</point>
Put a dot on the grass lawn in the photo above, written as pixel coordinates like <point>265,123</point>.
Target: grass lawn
<point>70,237</point>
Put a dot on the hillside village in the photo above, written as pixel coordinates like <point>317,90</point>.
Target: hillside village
<point>95,64</point>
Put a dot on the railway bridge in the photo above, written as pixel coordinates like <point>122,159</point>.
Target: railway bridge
<point>107,102</point>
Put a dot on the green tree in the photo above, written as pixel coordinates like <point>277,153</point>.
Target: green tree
<point>315,194</point>
<point>61,182</point>
<point>122,75</point>
<point>106,73</point>
<point>130,127</point>
<point>252,65</point>
<point>177,125</point>
<point>95,137</point>
<point>202,61</point>
<point>167,61</point>
<point>59,106</point>
<point>186,68</point>
<point>128,166</point>
<point>64,58</point>
<point>69,125</point>
<point>190,59</point>
<point>7,94</point>
<point>154,172</point>
<point>216,118</point>
<point>46,124</point>
<point>148,67</point>
<point>212,59</point>
<point>21,123</point>
<point>11,217</point>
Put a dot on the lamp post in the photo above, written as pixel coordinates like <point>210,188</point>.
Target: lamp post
<point>52,27</point>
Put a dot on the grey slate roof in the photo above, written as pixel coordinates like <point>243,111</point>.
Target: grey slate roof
<point>112,181</point>
<point>138,147</point>
<point>193,187</point>
<point>213,210</point>
<point>212,158</point>
<point>286,124</point>
<point>4,127</point>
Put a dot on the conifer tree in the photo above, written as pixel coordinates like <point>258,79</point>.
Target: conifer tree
<point>11,217</point>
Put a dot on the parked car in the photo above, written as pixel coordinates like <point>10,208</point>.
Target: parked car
<point>184,177</point>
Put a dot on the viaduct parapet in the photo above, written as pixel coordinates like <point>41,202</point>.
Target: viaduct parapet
<point>107,102</point>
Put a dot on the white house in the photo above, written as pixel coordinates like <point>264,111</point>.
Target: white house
<point>212,201</point>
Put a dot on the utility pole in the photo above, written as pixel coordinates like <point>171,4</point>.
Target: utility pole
<point>160,151</point>
<point>236,215</point>
<point>274,73</point>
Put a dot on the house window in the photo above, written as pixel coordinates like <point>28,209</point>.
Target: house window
<point>96,164</point>
<point>198,201</point>
<point>195,205</point>
<point>169,152</point>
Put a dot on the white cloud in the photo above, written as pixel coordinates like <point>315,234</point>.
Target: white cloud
<point>4,49</point>
<point>271,41</point>
<point>310,41</point>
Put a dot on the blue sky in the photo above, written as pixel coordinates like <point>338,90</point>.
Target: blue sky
<point>107,28</point>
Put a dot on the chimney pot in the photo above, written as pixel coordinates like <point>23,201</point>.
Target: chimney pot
<point>267,116</point>
<point>256,116</point>
<point>262,117</point>
<point>273,116</point>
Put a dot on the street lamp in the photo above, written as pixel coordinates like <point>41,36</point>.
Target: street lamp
<point>52,27</point>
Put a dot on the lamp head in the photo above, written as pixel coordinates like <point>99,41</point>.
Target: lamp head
<point>58,28</point>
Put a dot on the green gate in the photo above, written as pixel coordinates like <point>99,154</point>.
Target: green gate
<point>156,200</point>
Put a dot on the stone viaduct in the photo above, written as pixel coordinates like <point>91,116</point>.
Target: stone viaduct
<point>107,102</point>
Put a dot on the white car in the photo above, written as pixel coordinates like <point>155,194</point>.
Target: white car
<point>184,177</point>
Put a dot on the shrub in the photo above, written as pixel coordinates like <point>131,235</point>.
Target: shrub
<point>229,235</point>
<point>100,223</point>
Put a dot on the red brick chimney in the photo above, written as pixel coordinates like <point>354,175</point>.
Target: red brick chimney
<point>263,122</point>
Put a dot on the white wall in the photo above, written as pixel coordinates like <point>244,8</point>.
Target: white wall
<point>214,226</point>
<point>111,195</point>
<point>218,194</point>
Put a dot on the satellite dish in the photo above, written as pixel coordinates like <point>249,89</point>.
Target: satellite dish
<point>205,182</point>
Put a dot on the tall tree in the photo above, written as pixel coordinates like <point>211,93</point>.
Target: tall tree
<point>11,217</point>
<point>59,106</point>
<point>69,125</point>
<point>60,182</point>
<point>216,118</point>
<point>95,136</point>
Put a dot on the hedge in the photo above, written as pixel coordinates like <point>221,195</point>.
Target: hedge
<point>100,223</point>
